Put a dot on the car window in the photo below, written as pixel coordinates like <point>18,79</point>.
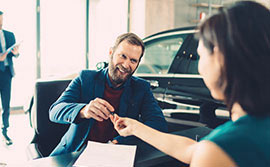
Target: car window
<point>159,54</point>
<point>187,58</point>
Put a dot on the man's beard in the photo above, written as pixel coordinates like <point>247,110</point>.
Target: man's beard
<point>116,77</point>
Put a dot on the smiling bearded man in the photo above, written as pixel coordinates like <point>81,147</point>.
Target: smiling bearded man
<point>91,97</point>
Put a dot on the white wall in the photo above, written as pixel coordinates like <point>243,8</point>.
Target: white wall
<point>63,37</point>
<point>108,19</point>
<point>137,17</point>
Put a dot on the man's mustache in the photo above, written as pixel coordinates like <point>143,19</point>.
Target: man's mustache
<point>123,69</point>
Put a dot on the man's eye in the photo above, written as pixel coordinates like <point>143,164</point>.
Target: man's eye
<point>134,61</point>
<point>123,56</point>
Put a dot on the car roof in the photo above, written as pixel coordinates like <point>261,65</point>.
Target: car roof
<point>170,31</point>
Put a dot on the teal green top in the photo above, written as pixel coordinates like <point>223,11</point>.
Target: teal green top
<point>246,141</point>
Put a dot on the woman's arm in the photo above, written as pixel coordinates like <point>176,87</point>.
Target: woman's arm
<point>197,154</point>
<point>178,147</point>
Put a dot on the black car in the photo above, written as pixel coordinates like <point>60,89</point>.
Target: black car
<point>170,64</point>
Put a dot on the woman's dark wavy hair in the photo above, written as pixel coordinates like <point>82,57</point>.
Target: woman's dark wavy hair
<point>242,34</point>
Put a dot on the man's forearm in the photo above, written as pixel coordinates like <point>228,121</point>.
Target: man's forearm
<point>65,112</point>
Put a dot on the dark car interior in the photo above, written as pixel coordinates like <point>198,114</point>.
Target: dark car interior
<point>187,56</point>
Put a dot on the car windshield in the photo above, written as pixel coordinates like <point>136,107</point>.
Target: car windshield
<point>159,54</point>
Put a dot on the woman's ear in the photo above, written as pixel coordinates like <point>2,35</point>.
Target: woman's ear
<point>220,65</point>
<point>218,55</point>
<point>216,50</point>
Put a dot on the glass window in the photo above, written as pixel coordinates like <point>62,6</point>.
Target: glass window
<point>21,20</point>
<point>159,54</point>
<point>63,37</point>
<point>187,58</point>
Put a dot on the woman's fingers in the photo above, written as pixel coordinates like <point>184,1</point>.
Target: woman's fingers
<point>121,125</point>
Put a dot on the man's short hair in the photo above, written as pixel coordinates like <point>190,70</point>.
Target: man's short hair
<point>130,38</point>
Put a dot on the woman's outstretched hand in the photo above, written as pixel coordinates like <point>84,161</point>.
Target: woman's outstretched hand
<point>124,126</point>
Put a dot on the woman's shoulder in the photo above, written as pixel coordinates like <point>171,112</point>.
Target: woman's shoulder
<point>245,138</point>
<point>245,127</point>
<point>209,154</point>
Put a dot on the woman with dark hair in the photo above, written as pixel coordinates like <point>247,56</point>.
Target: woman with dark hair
<point>234,49</point>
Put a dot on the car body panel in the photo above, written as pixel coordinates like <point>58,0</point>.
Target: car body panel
<point>170,64</point>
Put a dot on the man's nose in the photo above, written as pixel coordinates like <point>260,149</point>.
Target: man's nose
<point>126,64</point>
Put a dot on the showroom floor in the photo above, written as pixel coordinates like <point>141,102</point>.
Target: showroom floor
<point>21,133</point>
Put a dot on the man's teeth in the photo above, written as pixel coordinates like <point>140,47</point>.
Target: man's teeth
<point>121,70</point>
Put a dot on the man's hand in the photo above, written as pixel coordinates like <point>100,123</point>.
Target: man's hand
<point>15,50</point>
<point>97,109</point>
<point>3,56</point>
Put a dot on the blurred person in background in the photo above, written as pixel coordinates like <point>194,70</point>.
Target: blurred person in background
<point>7,39</point>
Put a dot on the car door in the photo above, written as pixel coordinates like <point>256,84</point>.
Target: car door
<point>170,64</point>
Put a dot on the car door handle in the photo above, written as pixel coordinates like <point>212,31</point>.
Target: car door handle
<point>154,83</point>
